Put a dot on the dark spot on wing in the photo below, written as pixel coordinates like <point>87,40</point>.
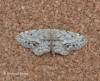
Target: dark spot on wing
<point>73,45</point>
<point>67,31</point>
<point>67,46</point>
<point>32,42</point>
<point>48,40</point>
<point>54,45</point>
<point>29,43</point>
<point>72,36</point>
<point>35,44</point>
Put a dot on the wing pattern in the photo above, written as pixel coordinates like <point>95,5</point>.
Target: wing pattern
<point>39,41</point>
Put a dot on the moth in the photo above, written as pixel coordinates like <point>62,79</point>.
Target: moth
<point>59,41</point>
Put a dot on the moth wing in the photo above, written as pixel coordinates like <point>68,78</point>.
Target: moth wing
<point>36,40</point>
<point>68,41</point>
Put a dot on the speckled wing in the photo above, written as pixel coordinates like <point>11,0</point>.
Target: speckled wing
<point>67,41</point>
<point>37,40</point>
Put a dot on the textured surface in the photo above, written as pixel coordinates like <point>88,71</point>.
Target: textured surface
<point>45,40</point>
<point>19,64</point>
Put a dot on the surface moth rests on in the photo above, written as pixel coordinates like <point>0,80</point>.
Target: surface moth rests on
<point>55,40</point>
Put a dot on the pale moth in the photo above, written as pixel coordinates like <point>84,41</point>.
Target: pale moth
<point>55,40</point>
